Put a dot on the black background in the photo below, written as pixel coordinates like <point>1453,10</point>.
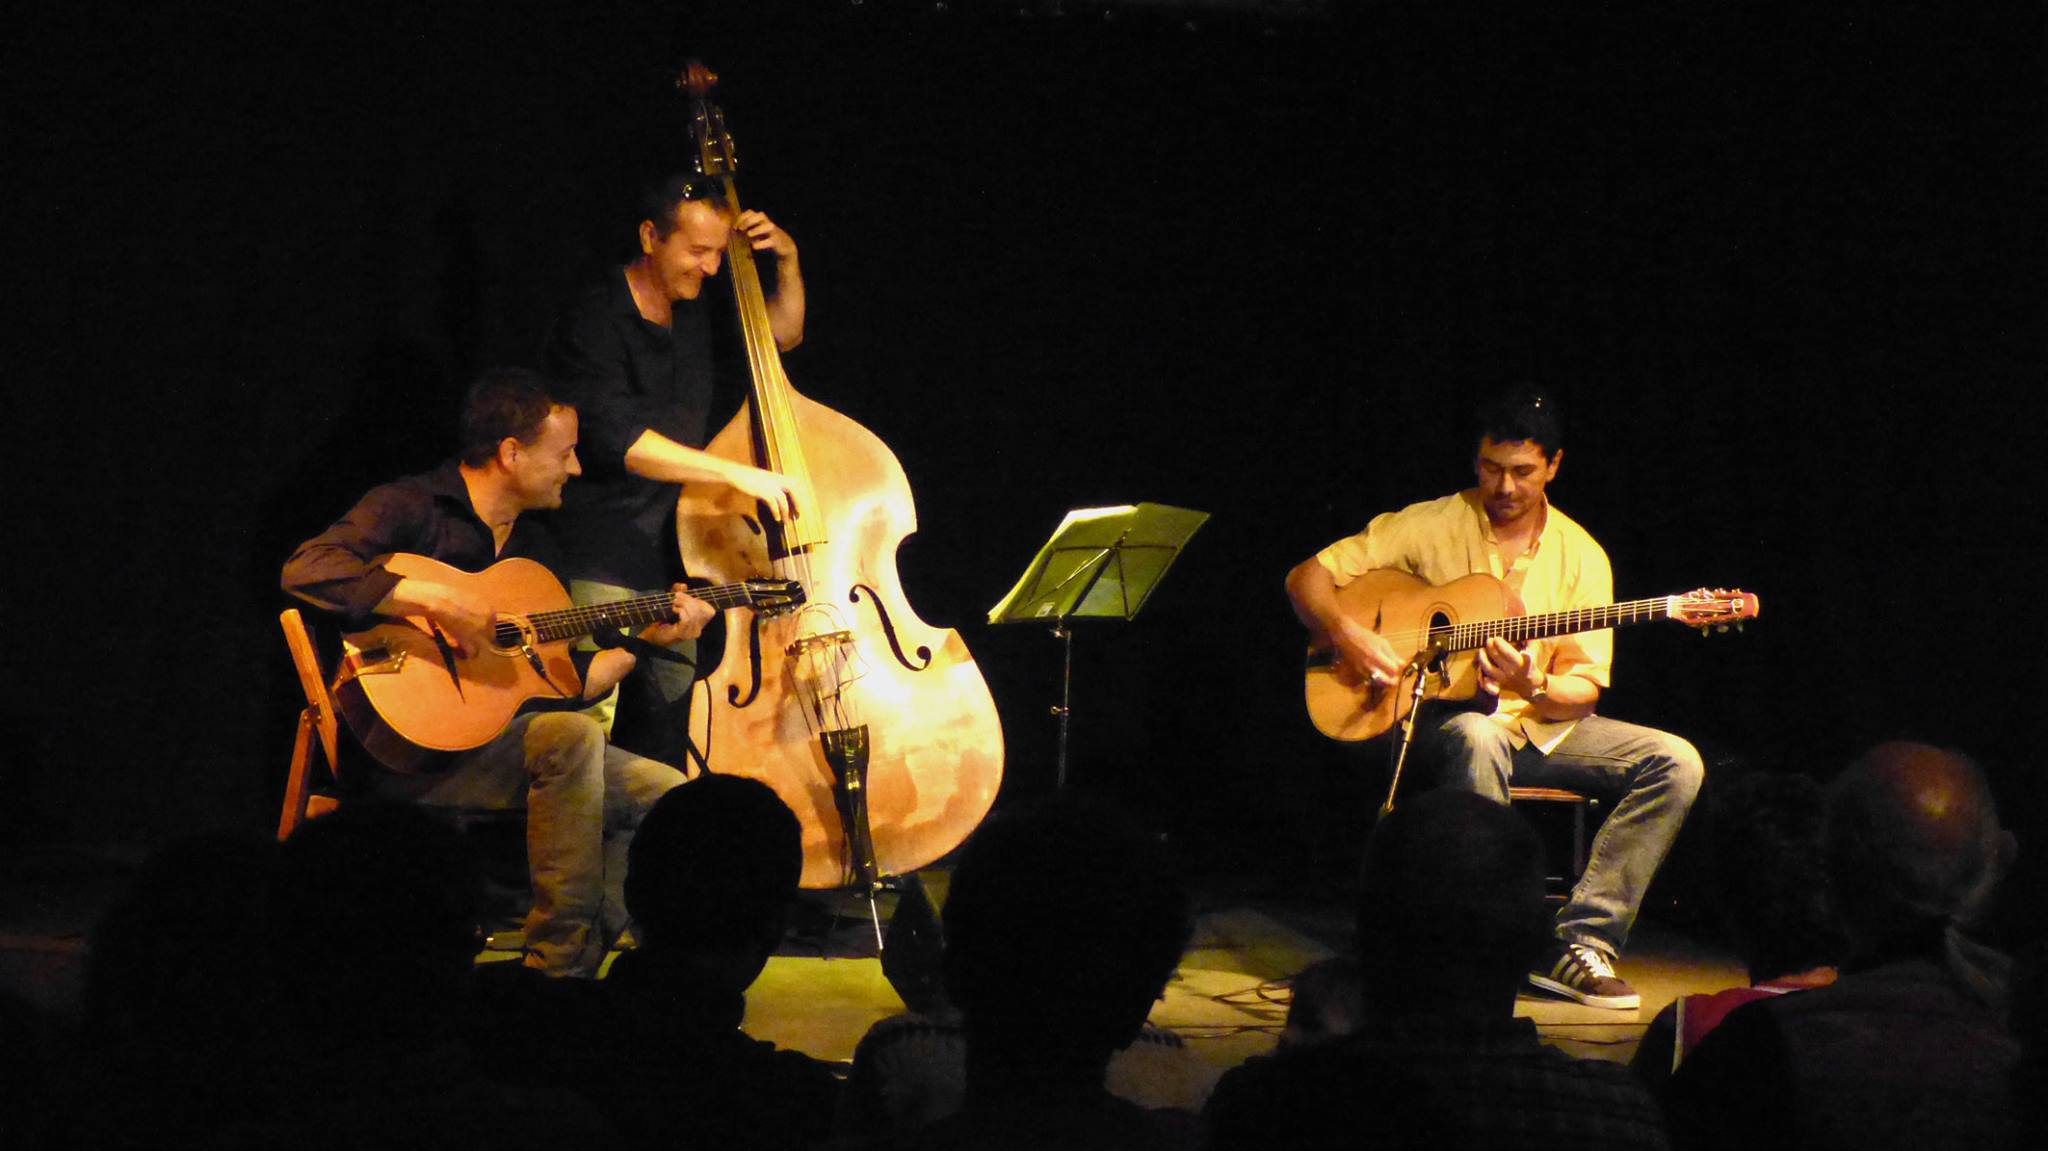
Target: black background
<point>1784,270</point>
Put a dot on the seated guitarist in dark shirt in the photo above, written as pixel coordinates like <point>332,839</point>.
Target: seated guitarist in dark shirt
<point>1544,733</point>
<point>583,798</point>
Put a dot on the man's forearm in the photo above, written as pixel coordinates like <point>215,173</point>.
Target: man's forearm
<point>786,306</point>
<point>1565,697</point>
<point>656,457</point>
<point>607,668</point>
<point>1313,592</point>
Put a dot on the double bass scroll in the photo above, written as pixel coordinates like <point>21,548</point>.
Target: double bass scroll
<point>875,727</point>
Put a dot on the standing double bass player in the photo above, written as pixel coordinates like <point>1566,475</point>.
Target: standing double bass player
<point>637,347</point>
<point>873,726</point>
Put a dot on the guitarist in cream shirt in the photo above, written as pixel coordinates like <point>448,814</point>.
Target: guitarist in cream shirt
<point>583,798</point>
<point>1543,731</point>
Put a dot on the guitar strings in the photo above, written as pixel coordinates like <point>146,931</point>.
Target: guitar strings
<point>568,622</point>
<point>1462,636</point>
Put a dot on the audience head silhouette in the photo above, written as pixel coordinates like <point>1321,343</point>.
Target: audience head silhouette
<point>1451,912</point>
<point>377,920</point>
<point>711,873</point>
<point>1325,1003</point>
<point>1913,843</point>
<point>1069,902</point>
<point>168,975</point>
<point>1770,877</point>
<point>166,962</point>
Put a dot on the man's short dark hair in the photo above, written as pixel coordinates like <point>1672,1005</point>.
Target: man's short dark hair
<point>376,919</point>
<point>1067,891</point>
<point>1455,877</point>
<point>661,197</point>
<point>504,402</point>
<point>1516,414</point>
<point>714,862</point>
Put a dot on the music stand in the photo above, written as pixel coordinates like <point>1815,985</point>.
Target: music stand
<point>1101,563</point>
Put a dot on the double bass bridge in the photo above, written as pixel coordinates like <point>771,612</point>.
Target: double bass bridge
<point>822,665</point>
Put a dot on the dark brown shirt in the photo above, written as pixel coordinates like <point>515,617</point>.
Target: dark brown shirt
<point>341,570</point>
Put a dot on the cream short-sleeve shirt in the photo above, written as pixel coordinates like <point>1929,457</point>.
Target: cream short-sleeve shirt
<point>1441,540</point>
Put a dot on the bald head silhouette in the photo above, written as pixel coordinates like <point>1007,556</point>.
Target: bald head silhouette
<point>1913,842</point>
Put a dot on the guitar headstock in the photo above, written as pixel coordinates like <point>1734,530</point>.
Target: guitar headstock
<point>1714,609</point>
<point>771,597</point>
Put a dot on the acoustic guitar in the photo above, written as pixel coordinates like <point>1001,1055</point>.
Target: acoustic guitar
<point>1441,629</point>
<point>411,698</point>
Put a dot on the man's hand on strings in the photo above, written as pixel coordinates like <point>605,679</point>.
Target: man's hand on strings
<point>771,488</point>
<point>692,614</point>
<point>1503,667</point>
<point>1367,654</point>
<point>465,620</point>
<point>764,236</point>
<point>786,303</point>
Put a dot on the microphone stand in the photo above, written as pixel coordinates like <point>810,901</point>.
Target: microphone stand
<point>1400,751</point>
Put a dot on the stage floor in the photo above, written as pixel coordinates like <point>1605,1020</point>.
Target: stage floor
<point>826,986</point>
<point>1227,1002</point>
<point>1229,998</point>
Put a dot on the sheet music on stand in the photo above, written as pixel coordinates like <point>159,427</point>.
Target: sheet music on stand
<point>1101,563</point>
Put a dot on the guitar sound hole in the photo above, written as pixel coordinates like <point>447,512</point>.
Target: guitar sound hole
<point>1438,624</point>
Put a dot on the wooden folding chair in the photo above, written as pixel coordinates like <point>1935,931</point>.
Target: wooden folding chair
<point>310,789</point>
<point>304,798</point>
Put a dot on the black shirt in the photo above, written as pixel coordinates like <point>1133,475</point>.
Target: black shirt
<point>628,377</point>
<point>428,514</point>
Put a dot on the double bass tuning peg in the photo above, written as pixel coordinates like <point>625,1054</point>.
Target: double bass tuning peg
<point>696,79</point>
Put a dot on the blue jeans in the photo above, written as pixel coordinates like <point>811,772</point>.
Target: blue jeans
<point>1656,774</point>
<point>649,712</point>
<point>583,800</point>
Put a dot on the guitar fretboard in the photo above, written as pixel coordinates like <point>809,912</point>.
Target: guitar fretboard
<point>1522,628</point>
<point>639,611</point>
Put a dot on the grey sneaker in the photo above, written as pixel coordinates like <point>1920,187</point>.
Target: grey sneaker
<point>1582,973</point>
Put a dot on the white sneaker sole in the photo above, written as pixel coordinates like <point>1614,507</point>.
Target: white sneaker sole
<point>1605,1002</point>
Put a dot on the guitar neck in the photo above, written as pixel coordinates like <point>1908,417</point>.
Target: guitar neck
<point>1523,628</point>
<point>634,613</point>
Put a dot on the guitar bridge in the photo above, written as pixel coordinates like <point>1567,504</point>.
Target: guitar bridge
<point>370,661</point>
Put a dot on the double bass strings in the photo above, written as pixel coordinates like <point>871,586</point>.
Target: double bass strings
<point>825,660</point>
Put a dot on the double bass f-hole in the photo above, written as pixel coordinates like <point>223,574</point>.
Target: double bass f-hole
<point>732,690</point>
<point>924,654</point>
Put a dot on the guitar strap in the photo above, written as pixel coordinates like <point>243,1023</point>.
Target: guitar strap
<point>690,750</point>
<point>638,646</point>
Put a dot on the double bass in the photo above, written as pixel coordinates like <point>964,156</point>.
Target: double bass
<point>876,728</point>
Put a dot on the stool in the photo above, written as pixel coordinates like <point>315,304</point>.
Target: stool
<point>1579,804</point>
